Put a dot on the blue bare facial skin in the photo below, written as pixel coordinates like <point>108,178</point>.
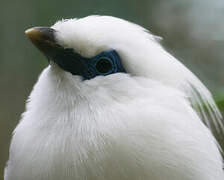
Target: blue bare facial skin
<point>105,63</point>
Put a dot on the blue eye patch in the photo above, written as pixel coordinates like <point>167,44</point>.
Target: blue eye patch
<point>105,63</point>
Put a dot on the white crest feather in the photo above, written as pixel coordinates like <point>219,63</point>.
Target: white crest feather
<point>204,104</point>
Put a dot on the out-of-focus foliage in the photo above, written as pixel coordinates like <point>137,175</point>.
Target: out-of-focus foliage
<point>193,31</point>
<point>220,103</point>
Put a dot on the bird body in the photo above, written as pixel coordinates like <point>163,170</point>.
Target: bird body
<point>134,125</point>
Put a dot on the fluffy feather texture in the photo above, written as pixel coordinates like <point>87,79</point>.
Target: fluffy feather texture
<point>136,126</point>
<point>142,55</point>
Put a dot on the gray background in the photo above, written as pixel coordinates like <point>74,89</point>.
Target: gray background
<point>193,31</point>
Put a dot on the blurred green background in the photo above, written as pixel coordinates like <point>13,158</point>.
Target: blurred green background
<point>193,31</point>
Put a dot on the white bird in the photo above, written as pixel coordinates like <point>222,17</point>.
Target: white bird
<point>113,105</point>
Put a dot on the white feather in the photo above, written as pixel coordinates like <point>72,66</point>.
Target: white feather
<point>142,55</point>
<point>136,126</point>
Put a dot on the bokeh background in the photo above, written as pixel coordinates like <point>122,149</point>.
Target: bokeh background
<point>192,30</point>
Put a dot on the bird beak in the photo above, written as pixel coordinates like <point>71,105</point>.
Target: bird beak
<point>44,39</point>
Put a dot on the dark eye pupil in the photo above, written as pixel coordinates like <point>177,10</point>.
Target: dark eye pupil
<point>103,65</point>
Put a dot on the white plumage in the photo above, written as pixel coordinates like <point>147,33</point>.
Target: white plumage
<point>138,125</point>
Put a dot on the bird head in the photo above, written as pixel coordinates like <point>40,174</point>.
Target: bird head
<point>101,46</point>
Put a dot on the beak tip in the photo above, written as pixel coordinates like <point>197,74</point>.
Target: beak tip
<point>31,32</point>
<point>28,31</point>
<point>42,38</point>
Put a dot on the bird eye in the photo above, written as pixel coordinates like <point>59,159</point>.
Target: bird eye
<point>104,65</point>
